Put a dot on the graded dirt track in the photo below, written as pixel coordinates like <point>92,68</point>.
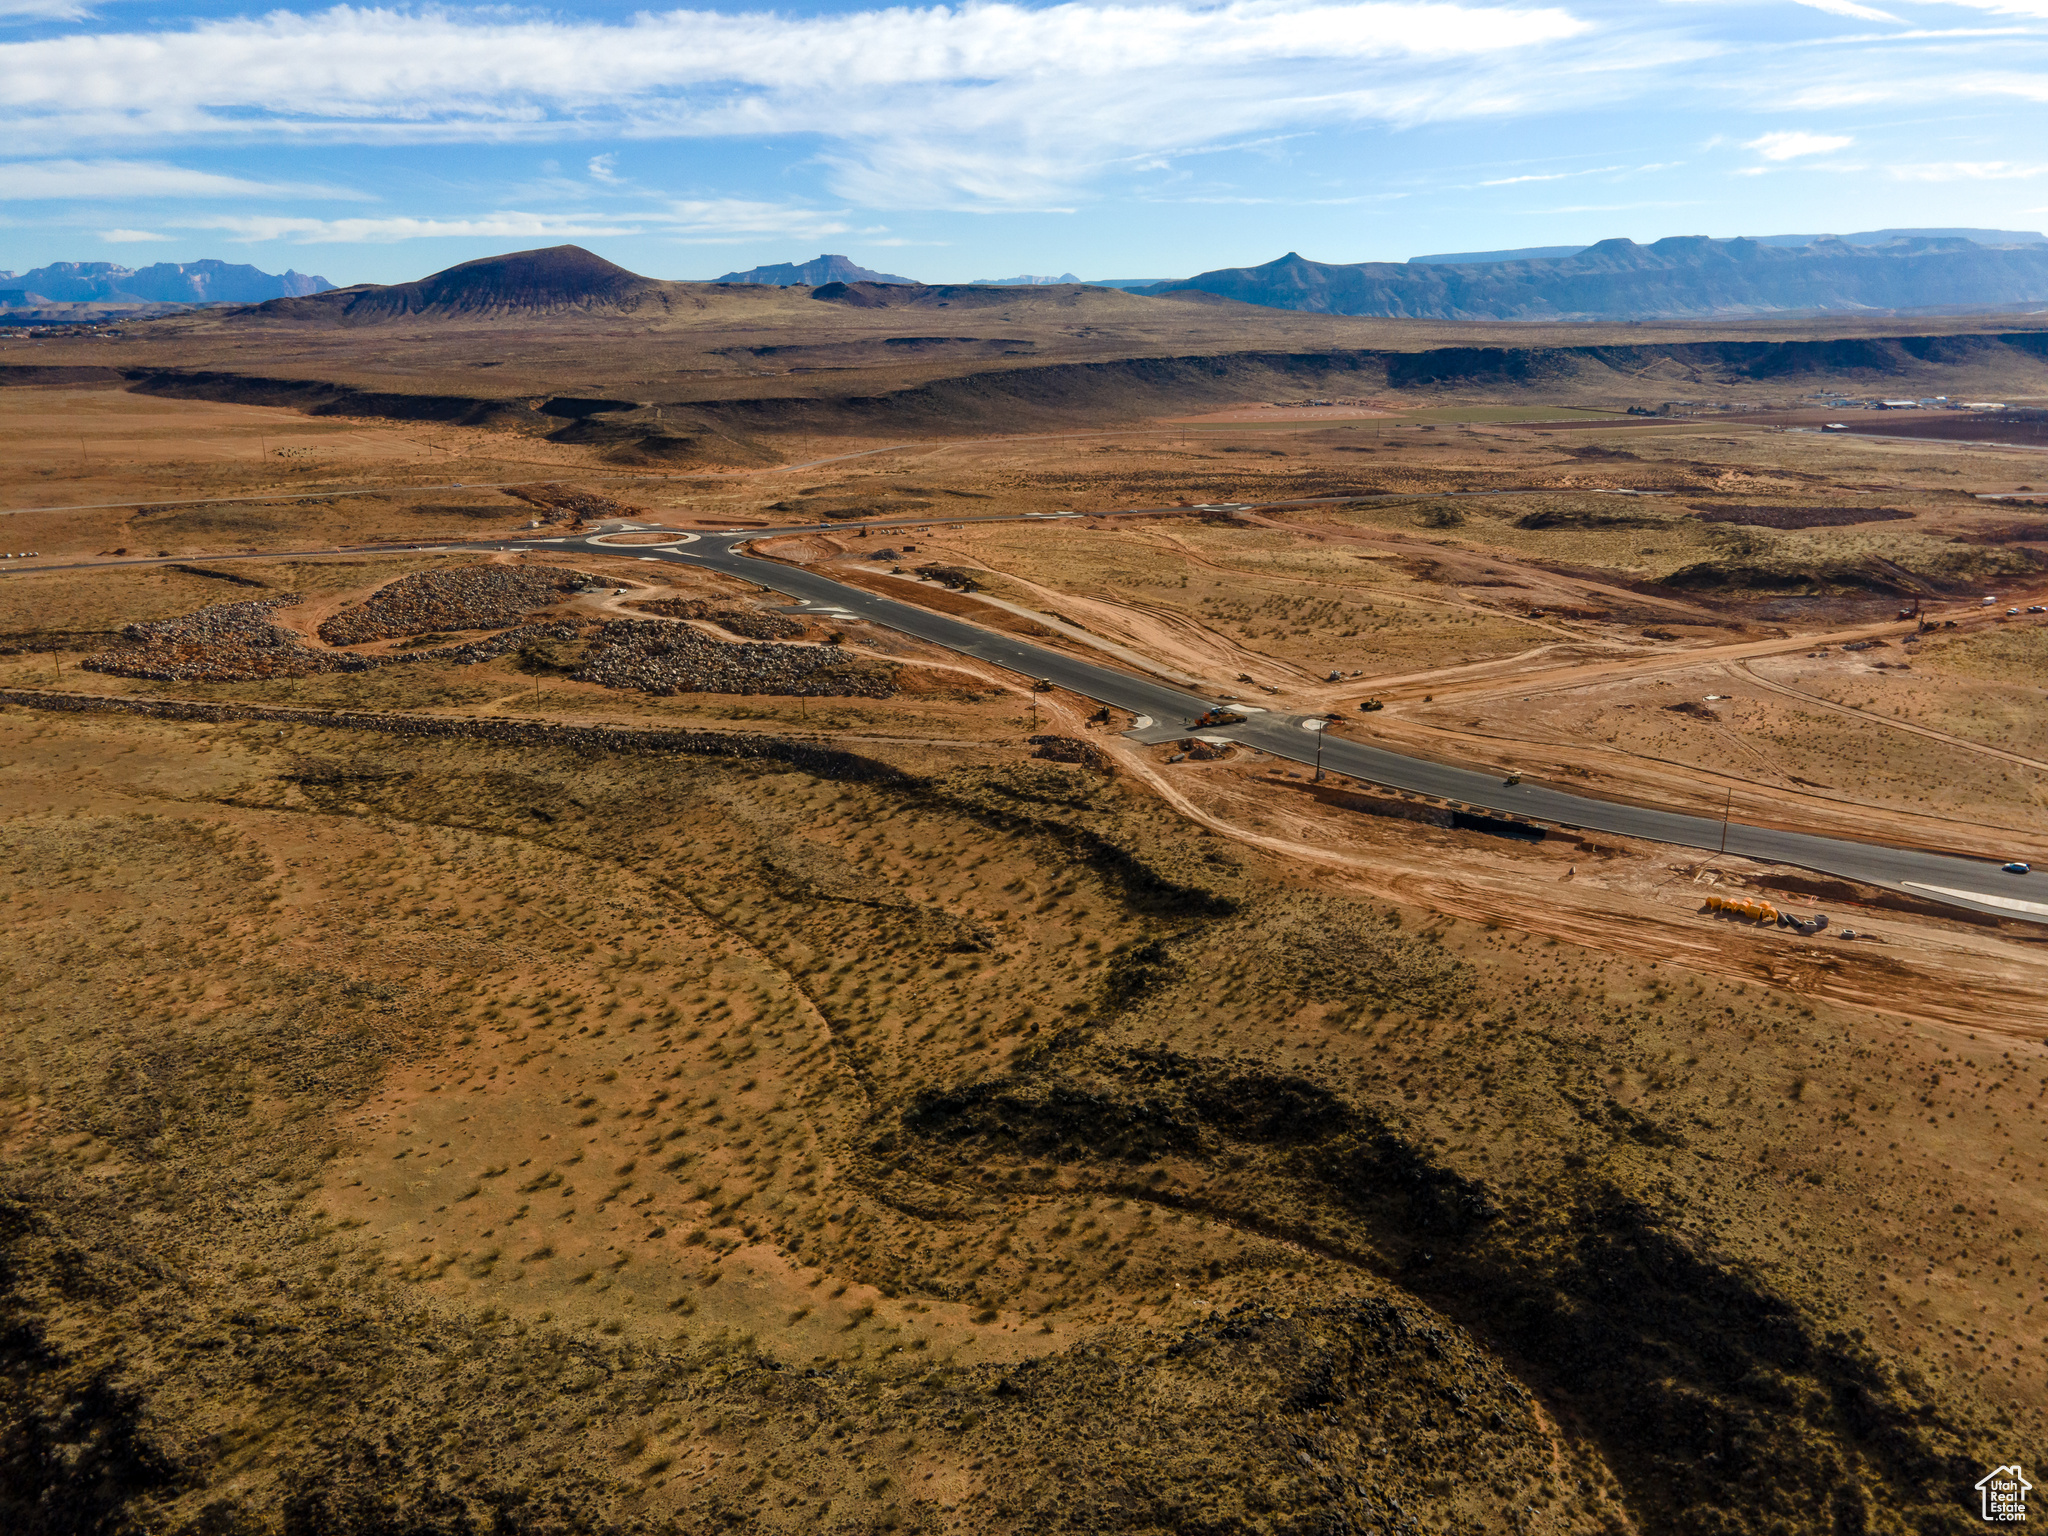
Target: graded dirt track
<point>427,1104</point>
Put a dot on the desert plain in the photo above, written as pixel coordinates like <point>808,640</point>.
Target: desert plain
<point>528,1041</point>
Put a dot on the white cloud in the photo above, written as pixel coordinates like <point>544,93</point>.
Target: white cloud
<point>1609,207</point>
<point>42,10</point>
<point>986,104</point>
<point>495,226</point>
<point>1849,8</point>
<point>736,217</point>
<point>2035,8</point>
<point>129,236</point>
<point>1513,181</point>
<point>604,168</point>
<point>30,181</point>
<point>1791,145</point>
<point>707,221</point>
<point>1968,170</point>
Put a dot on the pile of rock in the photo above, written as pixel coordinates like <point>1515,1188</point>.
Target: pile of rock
<point>656,657</point>
<point>754,623</point>
<point>1071,749</point>
<point>474,597</point>
<point>566,503</point>
<point>238,642</point>
<point>228,641</point>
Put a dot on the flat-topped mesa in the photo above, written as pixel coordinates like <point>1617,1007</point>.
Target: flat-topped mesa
<point>522,283</point>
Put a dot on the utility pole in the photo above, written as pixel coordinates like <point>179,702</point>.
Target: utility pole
<point>1319,757</point>
<point>1725,811</point>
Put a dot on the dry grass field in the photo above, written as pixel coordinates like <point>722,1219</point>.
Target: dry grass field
<point>458,1081</point>
<point>415,1129</point>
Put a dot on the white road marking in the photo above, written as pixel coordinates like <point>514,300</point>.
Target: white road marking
<point>2005,903</point>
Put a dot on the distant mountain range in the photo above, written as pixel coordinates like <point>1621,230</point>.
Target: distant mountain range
<point>1023,280</point>
<point>1863,237</point>
<point>815,273</point>
<point>1684,277</point>
<point>1678,278</point>
<point>167,282</point>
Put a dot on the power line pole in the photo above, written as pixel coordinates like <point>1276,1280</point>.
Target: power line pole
<point>1725,810</point>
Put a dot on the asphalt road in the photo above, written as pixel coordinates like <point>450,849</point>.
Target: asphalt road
<point>1974,883</point>
<point>1977,884</point>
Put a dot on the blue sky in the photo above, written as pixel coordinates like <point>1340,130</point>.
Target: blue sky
<point>983,140</point>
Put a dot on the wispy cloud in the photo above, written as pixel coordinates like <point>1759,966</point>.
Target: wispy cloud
<point>710,221</point>
<point>30,181</point>
<point>129,236</point>
<point>1791,145</point>
<point>1849,8</point>
<point>1968,170</point>
<point>42,10</point>
<point>1515,181</point>
<point>982,104</point>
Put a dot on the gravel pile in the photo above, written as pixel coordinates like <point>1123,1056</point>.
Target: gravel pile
<point>230,641</point>
<point>474,597</point>
<point>753,623</point>
<point>1071,749</point>
<point>237,642</point>
<point>656,657</point>
<point>566,502</point>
